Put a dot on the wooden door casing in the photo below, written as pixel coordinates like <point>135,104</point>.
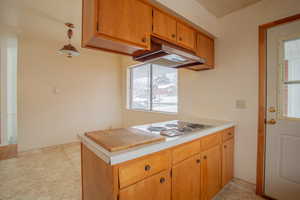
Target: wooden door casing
<point>186,179</point>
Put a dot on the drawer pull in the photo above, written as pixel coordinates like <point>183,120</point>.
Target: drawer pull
<point>147,167</point>
<point>173,35</point>
<point>162,180</point>
<point>205,157</point>
<point>198,161</point>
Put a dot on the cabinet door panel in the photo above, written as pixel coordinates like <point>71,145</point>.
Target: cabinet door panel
<point>186,179</point>
<point>164,25</point>
<point>186,36</point>
<point>227,161</point>
<point>127,20</point>
<point>205,49</point>
<point>157,187</point>
<point>211,172</point>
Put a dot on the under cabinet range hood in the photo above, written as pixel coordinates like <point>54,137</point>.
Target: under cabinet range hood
<point>169,55</point>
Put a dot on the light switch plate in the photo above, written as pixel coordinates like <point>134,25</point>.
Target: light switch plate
<point>240,104</point>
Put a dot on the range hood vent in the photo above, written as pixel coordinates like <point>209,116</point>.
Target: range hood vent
<point>166,54</point>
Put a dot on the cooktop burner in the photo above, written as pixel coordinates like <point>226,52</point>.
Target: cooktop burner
<point>156,128</point>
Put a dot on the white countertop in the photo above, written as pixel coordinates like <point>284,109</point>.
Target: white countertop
<point>114,158</point>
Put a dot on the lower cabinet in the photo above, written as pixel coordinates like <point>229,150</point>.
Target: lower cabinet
<point>211,173</point>
<point>156,187</point>
<point>186,179</point>
<point>227,161</point>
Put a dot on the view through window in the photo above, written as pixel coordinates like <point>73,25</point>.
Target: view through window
<point>291,79</point>
<point>153,88</point>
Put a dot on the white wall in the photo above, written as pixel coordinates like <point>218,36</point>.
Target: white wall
<point>213,93</point>
<point>88,93</point>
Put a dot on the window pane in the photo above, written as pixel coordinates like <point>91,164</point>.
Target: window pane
<point>164,89</point>
<point>140,87</point>
<point>291,100</point>
<point>292,60</point>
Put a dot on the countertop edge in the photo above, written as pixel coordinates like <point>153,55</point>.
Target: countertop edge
<point>114,158</point>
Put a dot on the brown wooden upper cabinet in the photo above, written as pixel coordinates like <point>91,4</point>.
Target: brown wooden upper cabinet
<point>164,26</point>
<point>186,36</point>
<point>168,28</point>
<point>205,49</point>
<point>122,26</point>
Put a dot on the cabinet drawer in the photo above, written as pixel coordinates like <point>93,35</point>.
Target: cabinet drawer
<point>136,170</point>
<point>185,151</point>
<point>227,134</point>
<point>210,141</point>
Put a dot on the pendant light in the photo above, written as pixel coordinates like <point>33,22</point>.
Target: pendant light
<point>69,49</point>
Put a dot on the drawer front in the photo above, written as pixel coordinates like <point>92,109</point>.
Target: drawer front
<point>227,134</point>
<point>185,151</point>
<point>141,168</point>
<point>210,141</point>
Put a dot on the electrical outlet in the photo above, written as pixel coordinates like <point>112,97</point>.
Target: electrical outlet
<point>240,104</point>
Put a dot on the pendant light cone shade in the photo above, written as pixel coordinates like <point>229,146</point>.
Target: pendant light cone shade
<point>69,49</point>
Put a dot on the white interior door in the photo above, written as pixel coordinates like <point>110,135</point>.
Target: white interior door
<point>283,106</point>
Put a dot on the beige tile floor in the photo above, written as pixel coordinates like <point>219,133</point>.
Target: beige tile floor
<point>54,174</point>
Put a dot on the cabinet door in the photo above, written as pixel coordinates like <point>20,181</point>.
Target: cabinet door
<point>205,49</point>
<point>186,36</point>
<point>211,172</point>
<point>157,187</point>
<point>227,161</point>
<point>126,20</point>
<point>164,26</point>
<point>186,179</point>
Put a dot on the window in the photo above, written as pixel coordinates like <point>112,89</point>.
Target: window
<point>290,79</point>
<point>153,88</point>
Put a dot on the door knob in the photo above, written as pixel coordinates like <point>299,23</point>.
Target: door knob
<point>271,121</point>
<point>272,109</point>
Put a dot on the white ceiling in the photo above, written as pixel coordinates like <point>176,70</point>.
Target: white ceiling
<point>220,8</point>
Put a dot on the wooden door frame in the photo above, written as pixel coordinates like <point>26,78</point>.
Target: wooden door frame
<point>261,143</point>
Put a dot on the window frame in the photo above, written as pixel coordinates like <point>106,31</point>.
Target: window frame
<point>130,91</point>
<point>281,81</point>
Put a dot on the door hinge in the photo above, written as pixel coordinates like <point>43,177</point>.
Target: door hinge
<point>97,27</point>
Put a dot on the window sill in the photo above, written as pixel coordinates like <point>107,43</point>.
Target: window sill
<point>152,111</point>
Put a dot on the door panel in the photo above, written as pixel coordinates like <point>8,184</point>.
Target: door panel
<point>186,179</point>
<point>227,161</point>
<point>128,20</point>
<point>211,173</point>
<point>164,25</point>
<point>186,36</point>
<point>157,187</point>
<point>282,172</point>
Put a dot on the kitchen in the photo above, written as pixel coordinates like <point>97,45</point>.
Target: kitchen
<point>106,89</point>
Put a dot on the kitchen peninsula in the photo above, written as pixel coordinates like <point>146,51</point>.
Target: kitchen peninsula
<point>194,165</point>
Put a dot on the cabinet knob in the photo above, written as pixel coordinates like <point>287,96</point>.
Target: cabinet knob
<point>162,180</point>
<point>173,35</point>
<point>147,167</point>
<point>198,161</point>
<point>229,133</point>
<point>225,146</point>
<point>180,38</point>
<point>144,39</point>
<point>205,157</point>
